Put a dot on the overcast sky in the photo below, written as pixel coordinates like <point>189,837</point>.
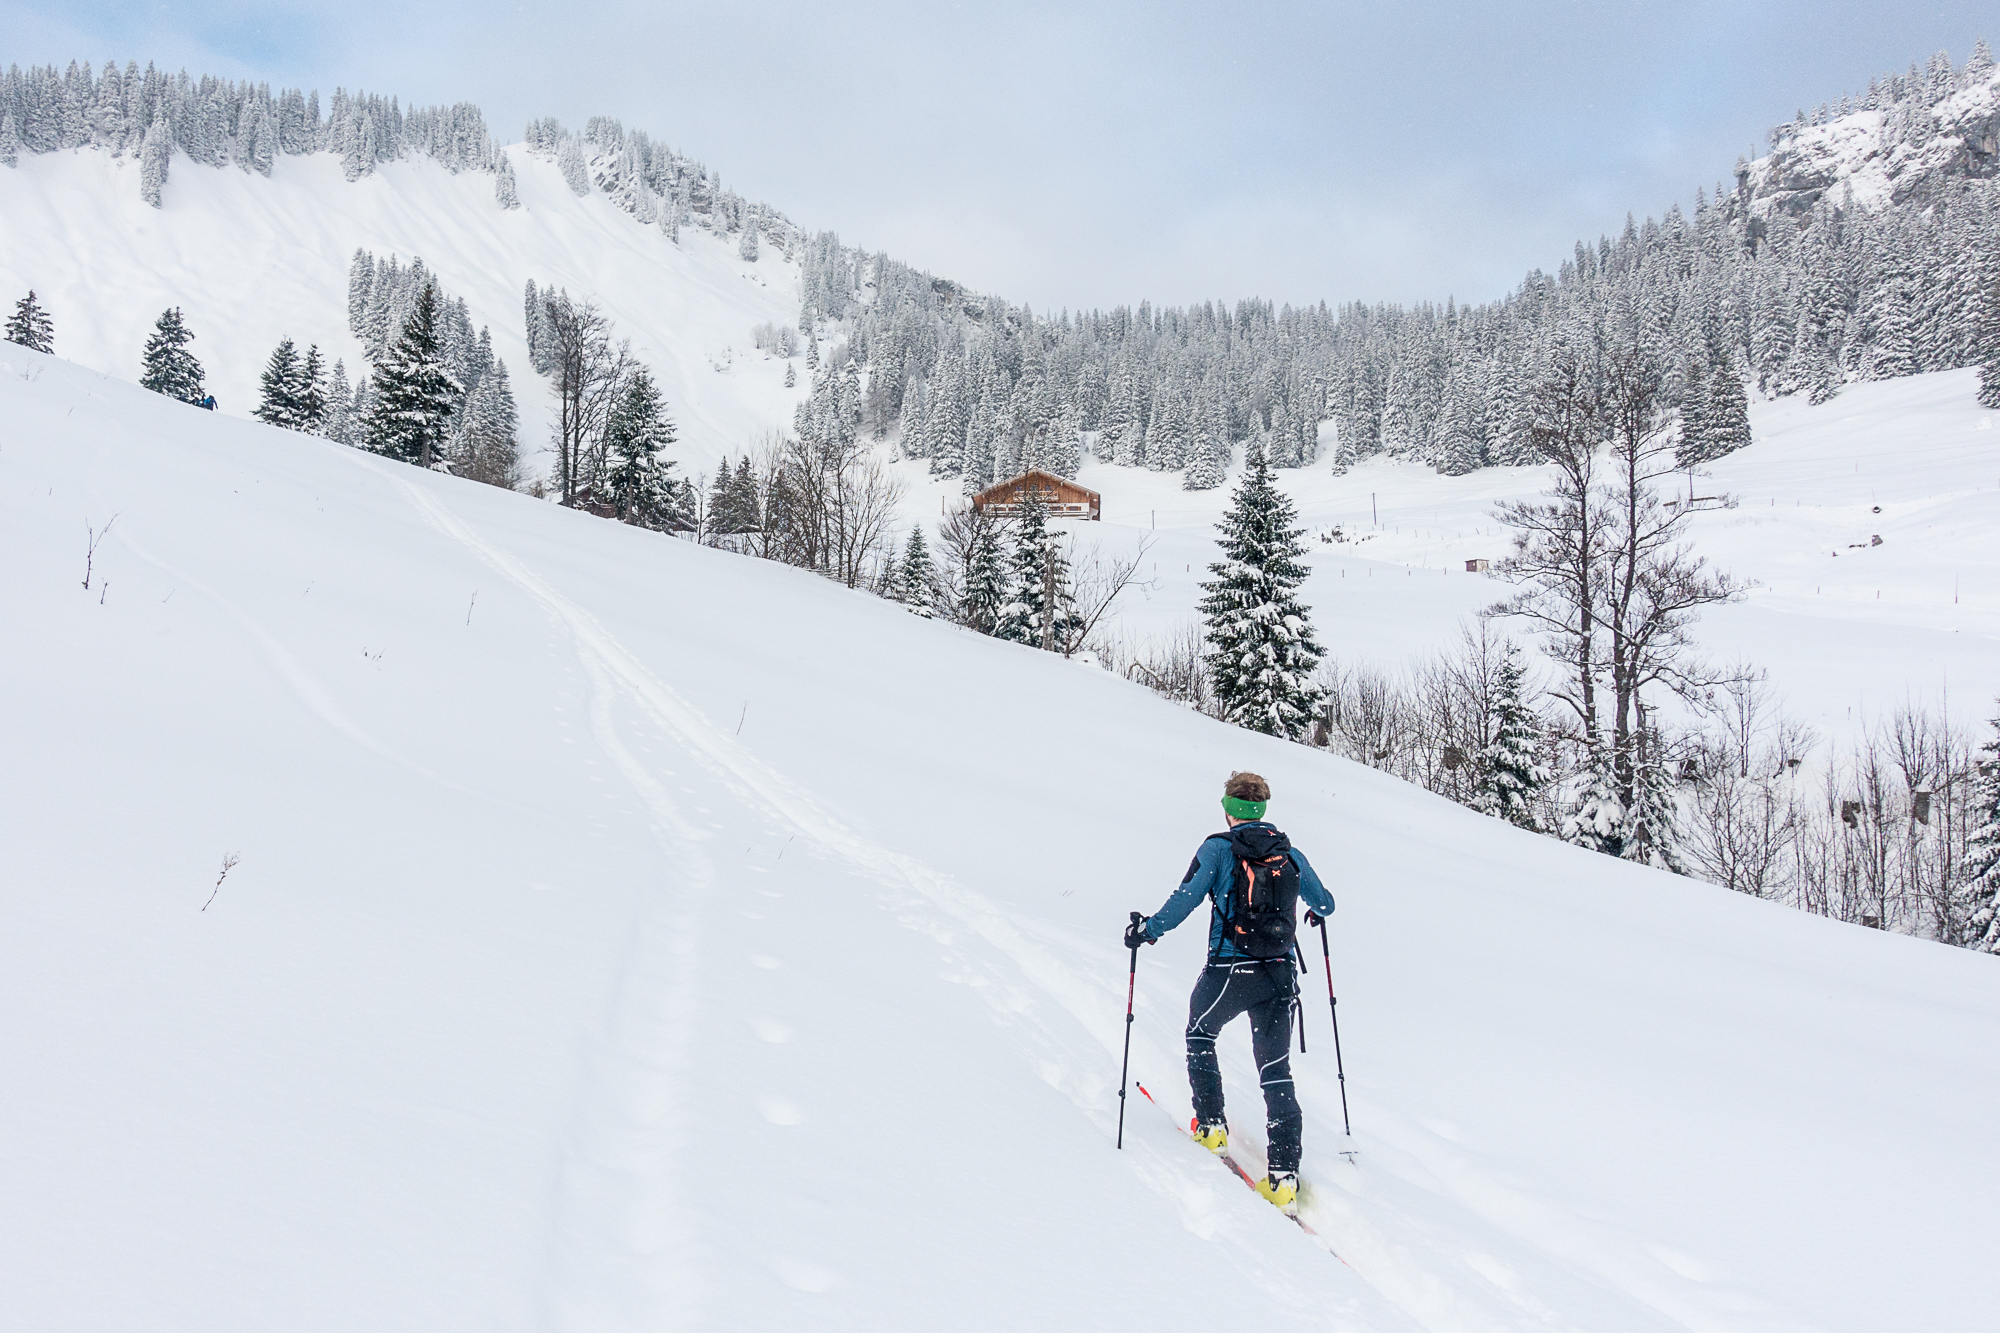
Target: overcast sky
<point>1097,153</point>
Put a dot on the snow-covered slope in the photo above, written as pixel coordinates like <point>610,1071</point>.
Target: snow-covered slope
<point>250,260</point>
<point>1847,634</point>
<point>631,935</point>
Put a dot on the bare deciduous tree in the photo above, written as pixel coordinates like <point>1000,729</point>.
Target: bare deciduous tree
<point>1559,540</point>
<point>587,371</point>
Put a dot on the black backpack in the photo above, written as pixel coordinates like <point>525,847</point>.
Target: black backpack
<point>1263,917</point>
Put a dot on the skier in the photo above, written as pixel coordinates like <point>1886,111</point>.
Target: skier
<point>1253,878</point>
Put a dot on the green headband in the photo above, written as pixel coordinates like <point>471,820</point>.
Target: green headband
<point>1238,808</point>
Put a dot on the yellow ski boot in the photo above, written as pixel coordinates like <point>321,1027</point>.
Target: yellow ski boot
<point>1213,1137</point>
<point>1282,1189</point>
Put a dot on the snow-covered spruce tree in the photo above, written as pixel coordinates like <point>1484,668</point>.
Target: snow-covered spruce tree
<point>415,392</point>
<point>1039,610</point>
<point>10,141</point>
<point>505,191</point>
<point>483,444</point>
<point>279,389</point>
<point>916,579</point>
<point>985,582</point>
<point>721,518</point>
<point>338,423</point>
<point>1597,820</point>
<point>569,159</point>
<point>1691,441</point>
<point>1989,338</point>
<point>312,391</point>
<point>1262,652</point>
<point>1819,375</point>
<point>1510,774</point>
<point>746,510</point>
<point>1727,420</point>
<point>30,326</point>
<point>168,367</point>
<point>639,483</point>
<point>1205,469</point>
<point>1977,898</point>
<point>746,248</point>
<point>155,153</point>
<point>1650,830</point>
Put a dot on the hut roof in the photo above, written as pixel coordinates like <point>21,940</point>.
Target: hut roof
<point>1005,491</point>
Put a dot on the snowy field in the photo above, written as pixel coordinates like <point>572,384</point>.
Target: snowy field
<point>628,935</point>
<point>1847,630</point>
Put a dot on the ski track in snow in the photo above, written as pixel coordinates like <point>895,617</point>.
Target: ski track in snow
<point>626,1116</point>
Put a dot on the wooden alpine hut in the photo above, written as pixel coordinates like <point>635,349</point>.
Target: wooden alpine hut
<point>1064,498</point>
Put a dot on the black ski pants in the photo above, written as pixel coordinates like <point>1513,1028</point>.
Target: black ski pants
<point>1266,991</point>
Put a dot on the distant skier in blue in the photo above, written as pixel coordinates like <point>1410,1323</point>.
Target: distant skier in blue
<point>1253,879</point>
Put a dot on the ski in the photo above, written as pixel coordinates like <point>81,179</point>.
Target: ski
<point>1236,1168</point>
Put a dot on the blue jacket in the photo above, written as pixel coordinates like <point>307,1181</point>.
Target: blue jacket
<point>1210,875</point>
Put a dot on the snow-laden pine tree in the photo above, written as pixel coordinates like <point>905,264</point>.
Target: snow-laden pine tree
<point>279,389</point>
<point>415,392</point>
<point>985,582</point>
<point>1819,374</point>
<point>1727,420</point>
<point>569,160</point>
<point>746,510</point>
<point>483,444</point>
<point>1989,340</point>
<point>505,191</point>
<point>1261,649</point>
<point>1459,450</point>
<point>1691,441</point>
<point>1039,610</point>
<point>640,484</point>
<point>1977,899</point>
<point>1650,830</point>
<point>312,391</point>
<point>30,325</point>
<point>155,153</point>
<point>338,424</point>
<point>721,518</point>
<point>916,579</point>
<point>1597,820</point>
<point>1205,468</point>
<point>168,367</point>
<point>1510,773</point>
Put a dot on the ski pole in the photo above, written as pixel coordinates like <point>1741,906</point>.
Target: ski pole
<point>1333,1008</point>
<point>1131,982</point>
<point>1298,1002</point>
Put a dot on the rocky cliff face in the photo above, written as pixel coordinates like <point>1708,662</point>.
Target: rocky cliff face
<point>1906,139</point>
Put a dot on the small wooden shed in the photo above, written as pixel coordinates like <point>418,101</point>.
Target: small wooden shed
<point>1064,498</point>
<point>1478,566</point>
